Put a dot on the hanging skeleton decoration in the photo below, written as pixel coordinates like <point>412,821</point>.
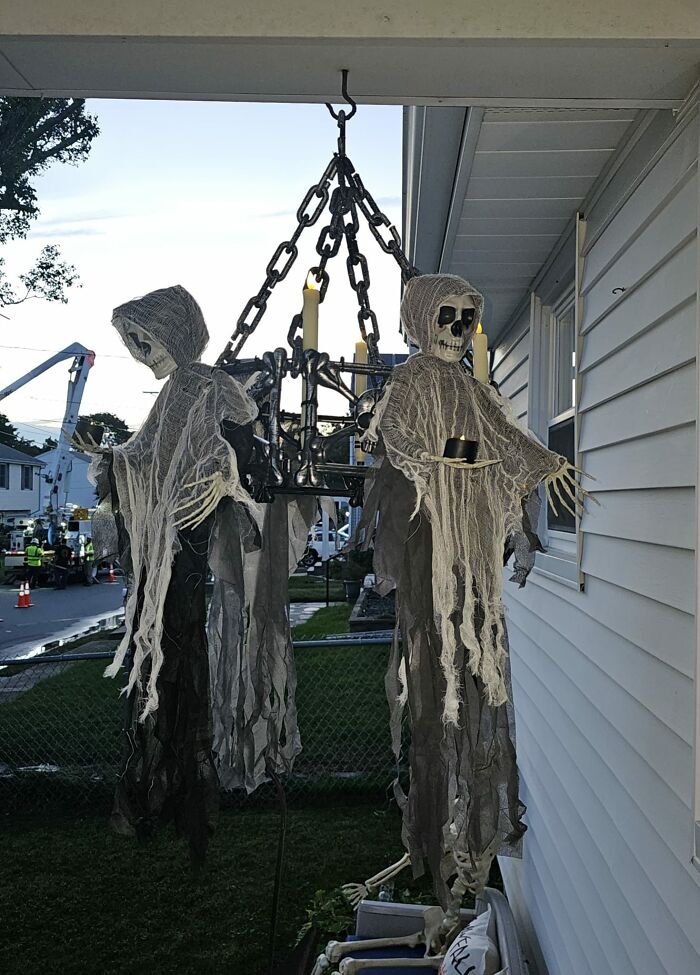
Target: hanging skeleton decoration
<point>444,525</point>
<point>252,669</point>
<point>180,505</point>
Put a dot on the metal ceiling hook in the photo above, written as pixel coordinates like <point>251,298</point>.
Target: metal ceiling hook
<point>341,117</point>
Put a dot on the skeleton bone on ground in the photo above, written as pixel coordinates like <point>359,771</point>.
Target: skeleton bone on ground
<point>350,966</point>
<point>430,936</point>
<point>439,927</point>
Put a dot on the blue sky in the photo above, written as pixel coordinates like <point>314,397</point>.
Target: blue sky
<point>198,194</point>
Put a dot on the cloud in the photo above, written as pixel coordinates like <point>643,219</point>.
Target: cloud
<point>85,225</point>
<point>77,232</point>
<point>382,201</point>
<point>275,214</point>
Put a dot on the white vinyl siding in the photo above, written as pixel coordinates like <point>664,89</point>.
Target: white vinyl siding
<point>603,680</point>
<point>511,366</point>
<point>19,488</point>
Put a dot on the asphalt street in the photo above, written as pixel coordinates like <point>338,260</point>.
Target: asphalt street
<point>55,614</point>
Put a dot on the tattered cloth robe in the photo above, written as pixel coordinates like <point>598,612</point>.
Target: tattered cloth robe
<point>252,669</point>
<point>441,537</point>
<point>199,425</point>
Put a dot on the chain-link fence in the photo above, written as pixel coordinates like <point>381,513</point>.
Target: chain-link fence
<point>61,724</point>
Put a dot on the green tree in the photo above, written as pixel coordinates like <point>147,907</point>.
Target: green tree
<point>114,426</point>
<point>34,133</point>
<point>49,277</point>
<point>9,437</point>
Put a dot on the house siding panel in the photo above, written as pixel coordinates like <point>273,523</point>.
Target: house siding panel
<point>512,366</point>
<point>603,679</point>
<point>15,499</point>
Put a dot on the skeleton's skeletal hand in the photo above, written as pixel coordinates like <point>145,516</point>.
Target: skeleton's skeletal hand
<point>354,893</point>
<point>203,502</point>
<point>568,490</point>
<point>461,464</point>
<point>86,444</point>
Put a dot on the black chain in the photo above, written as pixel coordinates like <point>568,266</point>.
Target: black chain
<point>349,197</point>
<point>308,214</point>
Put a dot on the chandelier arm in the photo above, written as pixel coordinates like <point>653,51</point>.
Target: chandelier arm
<point>330,377</point>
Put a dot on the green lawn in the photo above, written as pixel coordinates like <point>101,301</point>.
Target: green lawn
<point>77,899</point>
<point>312,589</point>
<point>72,720</point>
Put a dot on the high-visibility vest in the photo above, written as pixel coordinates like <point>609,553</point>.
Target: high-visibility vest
<point>33,555</point>
<point>89,552</point>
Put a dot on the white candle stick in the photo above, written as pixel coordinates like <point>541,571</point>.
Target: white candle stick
<point>480,347</point>
<point>360,379</point>
<point>312,298</point>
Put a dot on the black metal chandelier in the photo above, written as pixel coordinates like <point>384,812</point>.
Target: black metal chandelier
<point>292,454</point>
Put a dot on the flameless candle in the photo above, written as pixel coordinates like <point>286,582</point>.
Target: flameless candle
<point>459,448</point>
<point>360,356</point>
<point>312,297</point>
<point>480,347</point>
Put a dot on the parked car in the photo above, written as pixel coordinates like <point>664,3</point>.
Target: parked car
<point>314,546</point>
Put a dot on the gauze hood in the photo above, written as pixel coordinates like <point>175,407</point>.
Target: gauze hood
<point>425,293</point>
<point>172,317</point>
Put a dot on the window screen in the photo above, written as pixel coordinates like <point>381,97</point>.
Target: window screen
<point>561,441</point>
<point>563,362</point>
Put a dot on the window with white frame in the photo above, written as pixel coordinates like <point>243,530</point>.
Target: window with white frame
<point>27,478</point>
<point>5,476</point>
<point>552,418</point>
<point>561,412</point>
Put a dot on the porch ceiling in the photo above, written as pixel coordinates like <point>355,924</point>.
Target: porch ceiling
<point>520,176</point>
<point>390,69</point>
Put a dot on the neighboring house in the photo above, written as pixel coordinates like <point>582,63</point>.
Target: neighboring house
<point>20,482</point>
<point>580,226</point>
<point>76,488</point>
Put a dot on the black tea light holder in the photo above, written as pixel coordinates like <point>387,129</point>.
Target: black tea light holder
<point>459,448</point>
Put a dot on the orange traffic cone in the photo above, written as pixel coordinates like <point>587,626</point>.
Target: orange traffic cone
<point>23,596</point>
<point>111,577</point>
<point>27,596</point>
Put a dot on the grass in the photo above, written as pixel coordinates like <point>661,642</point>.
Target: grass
<point>73,719</point>
<point>343,713</point>
<point>312,589</point>
<point>77,899</point>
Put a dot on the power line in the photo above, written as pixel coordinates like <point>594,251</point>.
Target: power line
<point>31,348</point>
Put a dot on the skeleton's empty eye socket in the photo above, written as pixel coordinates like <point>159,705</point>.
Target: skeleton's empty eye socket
<point>468,317</point>
<point>446,315</point>
<point>143,346</point>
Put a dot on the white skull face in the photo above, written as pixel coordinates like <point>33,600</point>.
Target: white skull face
<point>144,348</point>
<point>452,327</point>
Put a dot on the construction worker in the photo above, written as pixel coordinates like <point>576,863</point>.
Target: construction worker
<point>34,560</point>
<point>61,563</point>
<point>89,563</point>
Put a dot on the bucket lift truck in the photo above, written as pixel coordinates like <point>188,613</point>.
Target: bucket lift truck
<point>58,478</point>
